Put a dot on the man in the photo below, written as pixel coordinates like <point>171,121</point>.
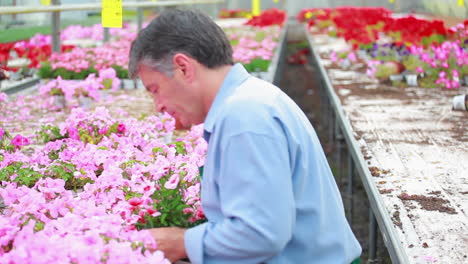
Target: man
<point>267,190</point>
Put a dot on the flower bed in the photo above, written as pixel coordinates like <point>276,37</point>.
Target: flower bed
<point>425,53</point>
<point>253,44</point>
<point>63,175</point>
<point>81,185</point>
<point>412,142</point>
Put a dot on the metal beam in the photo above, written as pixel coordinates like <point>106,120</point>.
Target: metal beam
<point>94,6</point>
<point>56,47</point>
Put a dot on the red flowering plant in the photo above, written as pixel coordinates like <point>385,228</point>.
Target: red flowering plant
<point>37,49</point>
<point>360,26</point>
<point>267,18</point>
<point>5,49</point>
<point>410,30</point>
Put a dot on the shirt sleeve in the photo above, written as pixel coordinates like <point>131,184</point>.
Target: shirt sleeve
<point>257,201</point>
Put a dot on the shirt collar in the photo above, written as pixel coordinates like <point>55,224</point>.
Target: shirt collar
<point>236,75</point>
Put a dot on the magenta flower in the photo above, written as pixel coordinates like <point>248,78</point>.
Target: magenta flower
<point>103,130</point>
<point>19,141</point>
<point>121,128</point>
<point>73,133</point>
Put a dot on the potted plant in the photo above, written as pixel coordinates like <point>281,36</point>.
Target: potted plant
<point>412,65</point>
<point>389,70</point>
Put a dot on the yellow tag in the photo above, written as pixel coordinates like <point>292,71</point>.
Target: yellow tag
<point>112,13</point>
<point>461,2</point>
<point>391,1</point>
<point>255,7</point>
<point>276,1</point>
<point>308,15</point>
<point>45,2</point>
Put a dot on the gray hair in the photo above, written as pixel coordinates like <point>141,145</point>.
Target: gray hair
<point>180,31</point>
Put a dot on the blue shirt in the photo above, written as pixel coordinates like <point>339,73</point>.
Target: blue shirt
<point>267,189</point>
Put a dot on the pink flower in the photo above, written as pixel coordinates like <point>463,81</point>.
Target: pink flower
<point>172,182</point>
<point>188,210</point>
<point>73,133</point>
<point>2,132</point>
<point>121,128</point>
<point>352,56</point>
<point>103,130</point>
<point>419,69</point>
<point>19,141</point>
<point>3,97</point>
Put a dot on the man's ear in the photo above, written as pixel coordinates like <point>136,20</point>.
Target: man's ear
<point>184,65</point>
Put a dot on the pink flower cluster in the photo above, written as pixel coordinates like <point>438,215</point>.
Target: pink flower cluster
<point>18,141</point>
<point>89,87</point>
<point>95,32</point>
<point>106,56</point>
<point>447,59</point>
<point>3,97</point>
<point>36,41</point>
<point>54,224</point>
<point>252,42</point>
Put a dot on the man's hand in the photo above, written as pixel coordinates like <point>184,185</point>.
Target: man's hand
<point>170,240</point>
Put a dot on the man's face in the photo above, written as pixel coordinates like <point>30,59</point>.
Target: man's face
<point>175,95</point>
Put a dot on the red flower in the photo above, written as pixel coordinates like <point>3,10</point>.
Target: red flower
<point>268,18</point>
<point>135,201</point>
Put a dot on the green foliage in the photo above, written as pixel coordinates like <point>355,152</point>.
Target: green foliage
<point>332,33</point>
<point>107,84</point>
<point>463,70</point>
<point>399,84</point>
<point>180,147</point>
<point>83,74</point>
<point>65,171</point>
<point>411,63</point>
<point>234,42</point>
<point>49,133</point>
<point>45,71</point>
<point>257,65</point>
<point>62,72</point>
<point>24,175</point>
<point>429,79</point>
<point>121,72</point>
<point>383,71</point>
<point>260,36</point>
<point>5,142</point>
<point>434,38</point>
<point>27,176</point>
<point>367,46</point>
<point>170,204</point>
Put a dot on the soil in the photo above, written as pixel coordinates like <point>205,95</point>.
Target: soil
<point>429,203</point>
